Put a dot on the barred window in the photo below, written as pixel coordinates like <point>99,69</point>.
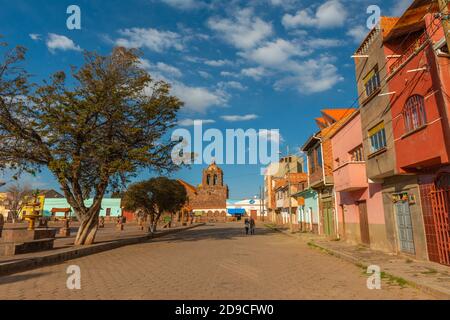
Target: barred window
<point>414,113</point>
<point>372,82</point>
<point>377,136</point>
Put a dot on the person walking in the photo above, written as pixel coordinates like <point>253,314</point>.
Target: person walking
<point>247,225</point>
<point>252,226</point>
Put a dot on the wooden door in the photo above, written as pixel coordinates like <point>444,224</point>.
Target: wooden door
<point>364,223</point>
<point>328,218</point>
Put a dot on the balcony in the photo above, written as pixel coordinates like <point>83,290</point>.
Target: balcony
<point>350,176</point>
<point>284,203</point>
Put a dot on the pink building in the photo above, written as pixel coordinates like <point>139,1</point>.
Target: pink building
<point>359,202</point>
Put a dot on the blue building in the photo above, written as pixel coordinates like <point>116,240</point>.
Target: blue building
<point>308,210</point>
<point>110,207</point>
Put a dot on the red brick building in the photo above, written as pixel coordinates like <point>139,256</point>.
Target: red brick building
<point>208,201</point>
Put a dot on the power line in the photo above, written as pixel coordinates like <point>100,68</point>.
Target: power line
<point>384,66</point>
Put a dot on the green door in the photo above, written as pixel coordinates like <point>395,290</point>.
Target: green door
<point>328,218</point>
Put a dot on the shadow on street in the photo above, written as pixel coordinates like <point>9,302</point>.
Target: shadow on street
<point>217,233</point>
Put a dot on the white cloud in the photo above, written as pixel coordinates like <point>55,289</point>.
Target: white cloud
<point>161,70</point>
<point>169,70</point>
<point>329,15</point>
<point>255,73</point>
<point>218,63</point>
<point>35,36</point>
<point>204,74</point>
<point>190,122</point>
<point>229,74</point>
<point>184,4</point>
<point>358,33</point>
<point>232,85</point>
<point>311,76</point>
<point>324,43</point>
<point>244,31</point>
<point>284,3</point>
<point>59,42</point>
<point>274,53</point>
<point>150,38</point>
<point>198,99</point>
<point>236,118</point>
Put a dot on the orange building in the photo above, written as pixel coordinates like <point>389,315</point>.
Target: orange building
<point>319,153</point>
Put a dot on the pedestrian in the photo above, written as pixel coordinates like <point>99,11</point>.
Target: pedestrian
<point>252,226</point>
<point>247,225</point>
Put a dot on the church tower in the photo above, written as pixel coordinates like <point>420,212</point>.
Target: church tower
<point>212,176</point>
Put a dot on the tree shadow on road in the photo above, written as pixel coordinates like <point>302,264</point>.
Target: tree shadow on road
<point>212,232</point>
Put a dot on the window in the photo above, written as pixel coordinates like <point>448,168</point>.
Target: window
<point>372,82</point>
<point>312,162</point>
<point>319,156</point>
<point>357,154</point>
<point>215,179</point>
<point>377,136</point>
<point>315,158</point>
<point>414,113</point>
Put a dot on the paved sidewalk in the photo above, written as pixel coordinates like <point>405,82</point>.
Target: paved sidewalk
<point>106,239</point>
<point>427,276</point>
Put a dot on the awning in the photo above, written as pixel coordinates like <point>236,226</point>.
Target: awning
<point>236,211</point>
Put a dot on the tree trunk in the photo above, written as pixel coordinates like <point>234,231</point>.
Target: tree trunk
<point>88,229</point>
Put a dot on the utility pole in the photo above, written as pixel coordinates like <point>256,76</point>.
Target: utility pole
<point>445,15</point>
<point>260,203</point>
<point>263,201</point>
<point>289,191</point>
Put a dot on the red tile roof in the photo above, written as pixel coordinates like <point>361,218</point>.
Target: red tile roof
<point>337,114</point>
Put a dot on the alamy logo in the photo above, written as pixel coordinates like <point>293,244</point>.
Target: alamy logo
<point>374,281</point>
<point>236,146</point>
<point>74,20</point>
<point>375,16</point>
<point>74,280</point>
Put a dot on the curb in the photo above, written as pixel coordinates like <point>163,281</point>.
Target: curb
<point>360,263</point>
<point>56,258</point>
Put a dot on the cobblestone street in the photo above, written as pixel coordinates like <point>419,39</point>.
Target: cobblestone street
<point>210,262</point>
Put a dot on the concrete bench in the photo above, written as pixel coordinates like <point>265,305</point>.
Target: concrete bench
<point>14,248</point>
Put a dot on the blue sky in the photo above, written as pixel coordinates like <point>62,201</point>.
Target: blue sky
<point>267,64</point>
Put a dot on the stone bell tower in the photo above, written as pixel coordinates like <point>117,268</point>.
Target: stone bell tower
<point>212,177</point>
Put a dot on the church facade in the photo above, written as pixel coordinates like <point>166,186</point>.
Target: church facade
<point>208,201</point>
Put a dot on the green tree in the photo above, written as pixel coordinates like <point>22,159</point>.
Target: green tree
<point>92,132</point>
<point>154,197</point>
